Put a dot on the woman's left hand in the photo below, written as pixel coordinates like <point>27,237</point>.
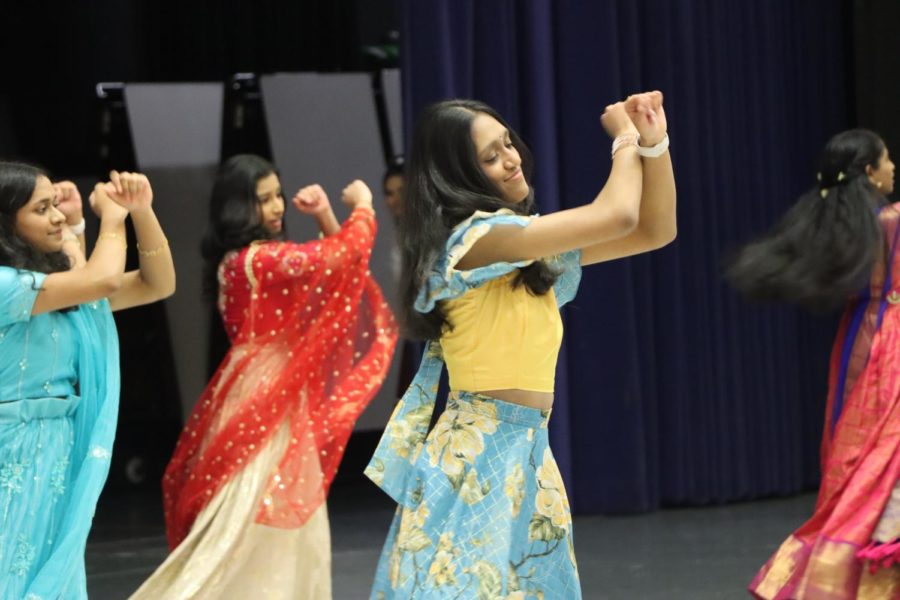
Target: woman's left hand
<point>130,190</point>
<point>647,113</point>
<point>312,200</point>
<point>70,203</point>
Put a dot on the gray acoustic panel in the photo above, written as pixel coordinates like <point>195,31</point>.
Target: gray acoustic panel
<point>177,131</point>
<point>323,129</point>
<point>175,124</point>
<point>394,102</point>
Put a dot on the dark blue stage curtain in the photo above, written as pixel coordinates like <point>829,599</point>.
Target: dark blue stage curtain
<point>671,389</point>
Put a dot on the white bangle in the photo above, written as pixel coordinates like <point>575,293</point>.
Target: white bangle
<point>626,139</point>
<point>654,151</point>
<point>77,229</point>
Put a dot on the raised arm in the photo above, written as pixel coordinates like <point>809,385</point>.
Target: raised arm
<point>312,200</point>
<point>350,243</point>
<point>656,222</point>
<point>102,274</point>
<point>611,216</point>
<point>155,277</point>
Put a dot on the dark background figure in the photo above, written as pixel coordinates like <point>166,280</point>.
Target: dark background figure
<point>408,351</point>
<point>392,185</point>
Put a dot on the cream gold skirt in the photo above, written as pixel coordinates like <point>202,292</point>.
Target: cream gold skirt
<point>228,555</point>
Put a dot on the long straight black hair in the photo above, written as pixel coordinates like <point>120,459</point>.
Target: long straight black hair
<point>445,186</point>
<point>823,249</point>
<point>17,183</point>
<point>233,214</point>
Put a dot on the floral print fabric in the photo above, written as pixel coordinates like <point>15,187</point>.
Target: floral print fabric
<point>482,508</point>
<point>488,516</point>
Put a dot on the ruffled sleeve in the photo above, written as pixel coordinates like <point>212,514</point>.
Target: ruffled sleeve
<point>568,264</point>
<point>445,281</point>
<point>18,291</point>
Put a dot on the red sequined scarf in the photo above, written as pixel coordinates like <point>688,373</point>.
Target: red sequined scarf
<point>312,340</point>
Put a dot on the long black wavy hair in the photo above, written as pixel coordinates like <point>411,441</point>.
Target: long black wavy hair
<point>445,185</point>
<point>233,214</point>
<point>823,249</point>
<point>17,183</point>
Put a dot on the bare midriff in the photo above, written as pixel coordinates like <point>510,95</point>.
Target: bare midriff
<point>540,400</point>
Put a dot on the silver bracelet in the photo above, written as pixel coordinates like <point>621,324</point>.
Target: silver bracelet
<point>626,139</point>
<point>654,151</point>
<point>77,229</point>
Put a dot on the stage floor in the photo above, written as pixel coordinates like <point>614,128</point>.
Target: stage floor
<point>689,553</point>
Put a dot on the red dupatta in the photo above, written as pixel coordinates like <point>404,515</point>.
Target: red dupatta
<point>312,340</point>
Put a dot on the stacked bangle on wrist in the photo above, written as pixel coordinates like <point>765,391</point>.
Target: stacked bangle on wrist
<point>626,139</point>
<point>654,151</point>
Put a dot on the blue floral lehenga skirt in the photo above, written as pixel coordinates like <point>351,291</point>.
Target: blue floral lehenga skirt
<point>487,516</point>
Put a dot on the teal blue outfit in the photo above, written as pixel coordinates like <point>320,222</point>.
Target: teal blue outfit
<point>482,508</point>
<point>59,394</point>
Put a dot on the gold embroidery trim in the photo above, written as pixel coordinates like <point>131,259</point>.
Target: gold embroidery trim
<point>248,264</point>
<point>782,568</point>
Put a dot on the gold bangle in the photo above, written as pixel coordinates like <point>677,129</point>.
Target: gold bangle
<point>112,235</point>
<point>155,251</point>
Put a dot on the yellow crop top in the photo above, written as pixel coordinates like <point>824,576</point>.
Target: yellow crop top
<point>502,338</point>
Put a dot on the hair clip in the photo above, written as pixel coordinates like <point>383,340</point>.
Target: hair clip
<point>823,192</point>
<point>841,176</point>
<point>818,176</point>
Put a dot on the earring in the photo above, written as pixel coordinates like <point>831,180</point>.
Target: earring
<point>878,184</point>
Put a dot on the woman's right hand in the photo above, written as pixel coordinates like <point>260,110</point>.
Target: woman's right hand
<point>357,194</point>
<point>312,200</point>
<point>616,122</point>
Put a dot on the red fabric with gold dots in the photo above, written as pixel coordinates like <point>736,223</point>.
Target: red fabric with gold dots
<point>312,340</point>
